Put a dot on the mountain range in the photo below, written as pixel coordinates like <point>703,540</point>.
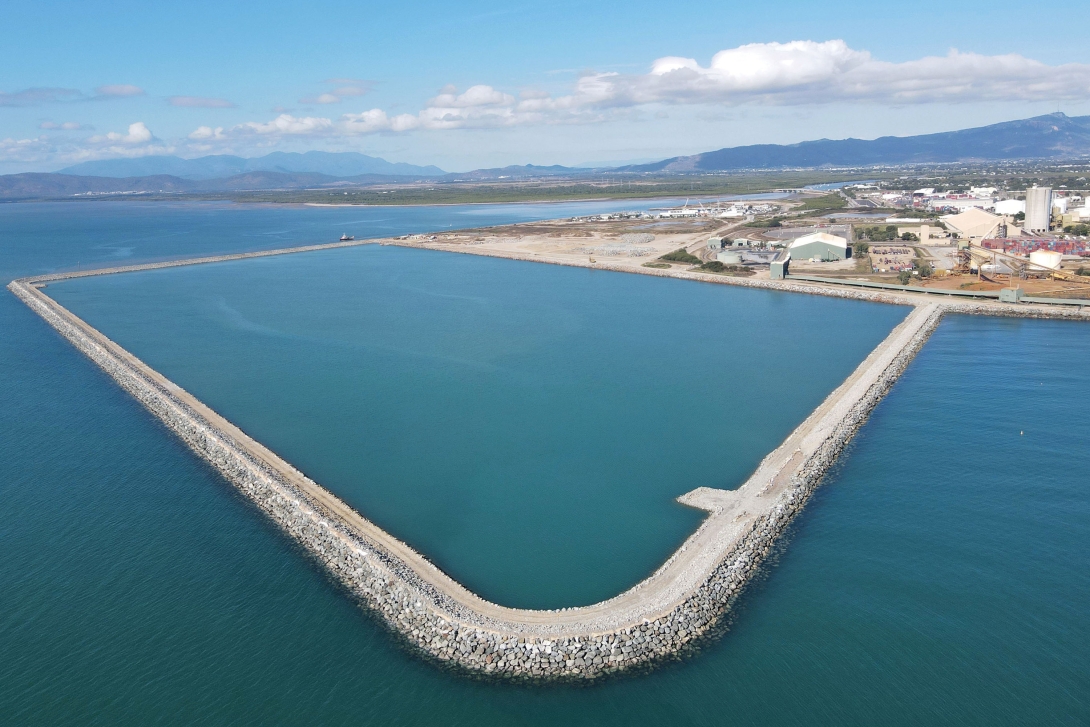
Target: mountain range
<point>1042,137</point>
<point>1054,136</point>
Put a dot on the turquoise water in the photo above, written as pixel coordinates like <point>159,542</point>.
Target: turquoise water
<point>526,426</point>
<point>938,577</point>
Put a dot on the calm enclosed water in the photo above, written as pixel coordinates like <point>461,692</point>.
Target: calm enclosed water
<point>526,426</point>
<point>939,576</point>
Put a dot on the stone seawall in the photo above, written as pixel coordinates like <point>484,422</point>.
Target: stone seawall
<point>652,621</point>
<point>52,277</point>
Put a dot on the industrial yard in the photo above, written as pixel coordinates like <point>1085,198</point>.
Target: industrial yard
<point>941,248</point>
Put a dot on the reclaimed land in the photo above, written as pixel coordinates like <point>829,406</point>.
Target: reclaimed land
<point>654,620</point>
<point>906,296</point>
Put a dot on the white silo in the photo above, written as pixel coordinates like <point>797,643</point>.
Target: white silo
<point>1038,208</point>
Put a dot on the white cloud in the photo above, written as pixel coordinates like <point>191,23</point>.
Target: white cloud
<point>287,125</point>
<point>346,91</point>
<point>807,72</point>
<point>787,74</point>
<point>25,150</point>
<point>40,96</point>
<point>206,133</point>
<point>37,96</point>
<point>138,134</point>
<point>200,102</point>
<point>799,74</point>
<point>474,97</point>
<point>66,126</point>
<point>118,90</point>
<point>369,122</point>
<point>138,141</point>
<point>345,88</point>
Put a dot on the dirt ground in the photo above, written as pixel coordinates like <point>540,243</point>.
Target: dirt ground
<point>891,258</point>
<point>623,242</point>
<point>1035,287</point>
<point>641,242</point>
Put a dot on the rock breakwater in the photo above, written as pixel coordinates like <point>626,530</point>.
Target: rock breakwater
<point>654,620</point>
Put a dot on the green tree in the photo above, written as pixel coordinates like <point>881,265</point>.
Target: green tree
<point>680,256</point>
<point>904,277</point>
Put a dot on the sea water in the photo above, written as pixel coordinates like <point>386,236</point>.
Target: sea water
<point>938,576</point>
<point>526,426</point>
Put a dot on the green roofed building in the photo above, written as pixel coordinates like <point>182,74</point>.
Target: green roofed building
<point>820,245</point>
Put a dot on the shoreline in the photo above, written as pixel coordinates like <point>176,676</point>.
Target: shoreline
<point>974,306</point>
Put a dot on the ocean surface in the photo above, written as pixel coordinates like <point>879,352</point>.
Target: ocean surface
<point>526,426</point>
<point>939,575</point>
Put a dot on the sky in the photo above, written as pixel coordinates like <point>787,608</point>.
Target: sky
<point>483,84</point>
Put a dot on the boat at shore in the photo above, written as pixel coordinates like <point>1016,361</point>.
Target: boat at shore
<point>347,238</point>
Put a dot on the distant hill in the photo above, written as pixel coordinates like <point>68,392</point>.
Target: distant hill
<point>35,185</point>
<point>1043,137</point>
<point>519,171</point>
<point>333,164</point>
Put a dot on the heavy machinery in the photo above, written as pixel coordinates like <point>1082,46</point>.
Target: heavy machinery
<point>998,263</point>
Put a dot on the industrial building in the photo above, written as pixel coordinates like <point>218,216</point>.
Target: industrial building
<point>820,246</point>
<point>1046,259</point>
<point>923,233</point>
<point>779,269</point>
<point>1038,208</point>
<point>729,256</point>
<point>973,224</point>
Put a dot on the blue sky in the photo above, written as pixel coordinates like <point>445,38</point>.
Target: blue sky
<point>488,83</point>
